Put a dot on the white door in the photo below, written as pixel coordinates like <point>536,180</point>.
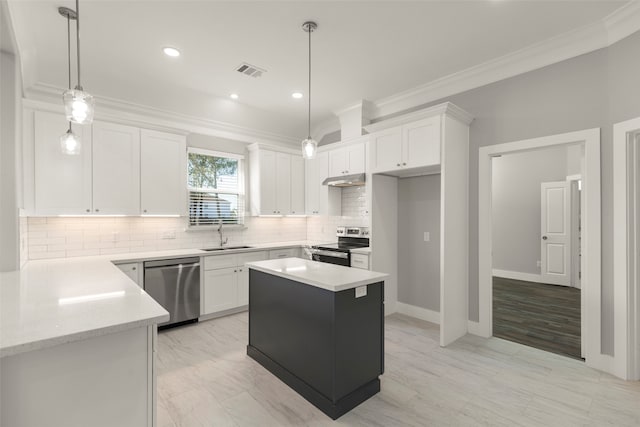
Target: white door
<point>555,239</point>
<point>163,179</point>
<point>116,169</point>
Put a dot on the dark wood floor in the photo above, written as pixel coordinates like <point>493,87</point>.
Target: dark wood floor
<point>538,315</point>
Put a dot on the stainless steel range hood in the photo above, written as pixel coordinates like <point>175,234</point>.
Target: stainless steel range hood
<point>345,180</point>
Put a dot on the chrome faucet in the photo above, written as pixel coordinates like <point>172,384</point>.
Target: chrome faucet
<point>223,240</point>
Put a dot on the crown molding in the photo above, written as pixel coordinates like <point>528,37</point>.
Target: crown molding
<point>447,108</point>
<point>600,34</point>
<point>44,96</point>
<point>325,127</point>
<point>622,22</point>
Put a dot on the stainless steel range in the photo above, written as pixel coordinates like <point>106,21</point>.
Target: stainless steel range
<point>349,238</point>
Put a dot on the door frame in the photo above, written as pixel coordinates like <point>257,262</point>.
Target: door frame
<point>626,236</point>
<point>591,237</point>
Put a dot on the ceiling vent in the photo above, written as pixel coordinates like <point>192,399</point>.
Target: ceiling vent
<point>250,70</point>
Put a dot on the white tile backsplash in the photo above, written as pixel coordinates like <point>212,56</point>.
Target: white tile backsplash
<point>60,237</point>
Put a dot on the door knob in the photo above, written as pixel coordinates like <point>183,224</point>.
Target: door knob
<point>544,237</point>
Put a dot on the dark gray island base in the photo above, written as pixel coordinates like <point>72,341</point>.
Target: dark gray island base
<point>326,345</point>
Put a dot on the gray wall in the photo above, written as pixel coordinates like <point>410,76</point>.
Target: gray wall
<point>593,90</point>
<point>419,261</point>
<point>516,205</point>
<point>10,141</point>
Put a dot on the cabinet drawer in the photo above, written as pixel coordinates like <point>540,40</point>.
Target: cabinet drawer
<point>251,257</point>
<point>283,253</point>
<point>360,261</point>
<point>219,261</point>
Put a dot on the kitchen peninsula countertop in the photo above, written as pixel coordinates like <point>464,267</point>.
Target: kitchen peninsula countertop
<point>56,301</point>
<point>331,277</point>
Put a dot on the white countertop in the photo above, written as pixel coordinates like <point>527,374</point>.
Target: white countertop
<point>51,302</point>
<point>56,301</point>
<point>331,277</point>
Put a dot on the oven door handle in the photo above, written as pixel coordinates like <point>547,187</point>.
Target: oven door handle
<point>334,254</point>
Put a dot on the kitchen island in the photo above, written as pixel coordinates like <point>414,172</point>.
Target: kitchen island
<point>319,328</point>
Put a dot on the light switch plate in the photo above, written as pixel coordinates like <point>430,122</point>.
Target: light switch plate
<point>427,236</point>
<point>361,291</point>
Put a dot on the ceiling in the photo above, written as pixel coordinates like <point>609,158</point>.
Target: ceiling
<point>361,50</point>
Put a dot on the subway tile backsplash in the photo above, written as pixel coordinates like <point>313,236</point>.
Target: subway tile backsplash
<point>60,237</point>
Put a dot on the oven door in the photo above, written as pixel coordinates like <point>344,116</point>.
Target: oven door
<point>331,257</point>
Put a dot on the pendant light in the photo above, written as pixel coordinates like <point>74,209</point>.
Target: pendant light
<point>69,142</point>
<point>78,104</point>
<point>309,145</point>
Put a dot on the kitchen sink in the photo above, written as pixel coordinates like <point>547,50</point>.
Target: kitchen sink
<point>227,248</point>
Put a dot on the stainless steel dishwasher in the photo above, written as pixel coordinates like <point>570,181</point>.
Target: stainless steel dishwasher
<point>175,285</point>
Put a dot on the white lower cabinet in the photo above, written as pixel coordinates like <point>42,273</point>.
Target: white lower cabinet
<point>284,253</point>
<point>226,281</point>
<point>134,271</point>
<point>360,261</point>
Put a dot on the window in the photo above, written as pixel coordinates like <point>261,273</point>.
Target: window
<point>216,188</point>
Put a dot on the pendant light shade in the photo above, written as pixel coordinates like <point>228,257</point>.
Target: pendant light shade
<point>78,104</point>
<point>309,145</point>
<point>309,148</point>
<point>70,143</point>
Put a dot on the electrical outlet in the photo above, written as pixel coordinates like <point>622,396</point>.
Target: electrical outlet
<point>114,236</point>
<point>539,263</point>
<point>361,291</point>
<point>169,234</point>
<point>427,236</point>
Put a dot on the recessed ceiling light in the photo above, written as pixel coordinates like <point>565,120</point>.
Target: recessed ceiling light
<point>234,96</point>
<point>171,51</point>
<point>297,95</point>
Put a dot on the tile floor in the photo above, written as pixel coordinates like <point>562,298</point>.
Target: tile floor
<point>206,379</point>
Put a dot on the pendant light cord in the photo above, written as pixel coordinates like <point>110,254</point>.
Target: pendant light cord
<point>69,53</point>
<point>310,28</point>
<point>79,86</point>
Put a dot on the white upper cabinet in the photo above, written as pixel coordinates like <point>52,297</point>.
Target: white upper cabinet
<point>297,185</point>
<point>320,199</point>
<point>62,182</point>
<point>313,184</point>
<point>283,183</point>
<point>162,173</point>
<point>421,143</point>
<point>121,170</point>
<point>410,146</point>
<point>347,160</point>
<point>116,169</point>
<point>276,182</point>
<point>386,147</point>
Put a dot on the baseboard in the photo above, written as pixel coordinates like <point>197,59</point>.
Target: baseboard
<point>418,312</point>
<point>516,275</point>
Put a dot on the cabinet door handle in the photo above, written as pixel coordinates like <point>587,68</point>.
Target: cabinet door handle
<point>398,164</point>
<point>235,271</point>
<point>145,211</point>
<point>97,210</point>
<point>88,210</point>
<point>404,164</point>
<point>133,268</point>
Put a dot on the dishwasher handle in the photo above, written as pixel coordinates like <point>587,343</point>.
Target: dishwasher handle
<point>195,262</point>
